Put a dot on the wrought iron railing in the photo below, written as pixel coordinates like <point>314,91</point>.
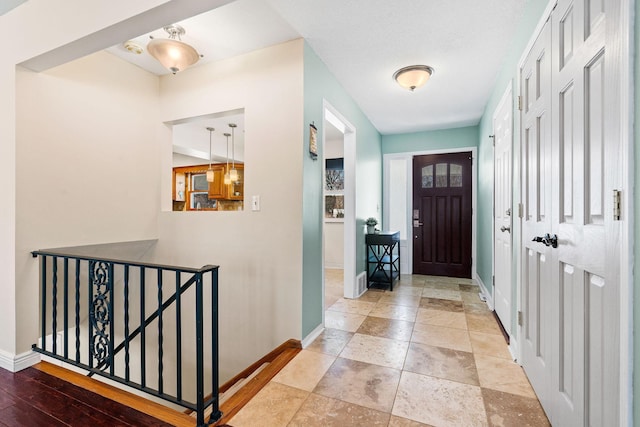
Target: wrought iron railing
<point>151,327</point>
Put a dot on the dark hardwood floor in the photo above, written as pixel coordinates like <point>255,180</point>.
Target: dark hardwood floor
<point>34,398</point>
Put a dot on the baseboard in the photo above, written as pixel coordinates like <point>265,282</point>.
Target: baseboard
<point>15,363</point>
<point>513,346</point>
<point>269,357</point>
<point>484,293</point>
<point>312,336</point>
<point>278,359</point>
<point>333,266</point>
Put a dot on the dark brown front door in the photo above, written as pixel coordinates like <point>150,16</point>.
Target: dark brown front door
<point>442,215</point>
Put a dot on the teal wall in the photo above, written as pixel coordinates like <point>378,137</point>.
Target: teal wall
<point>319,85</point>
<point>507,75</point>
<point>636,276</point>
<point>430,140</point>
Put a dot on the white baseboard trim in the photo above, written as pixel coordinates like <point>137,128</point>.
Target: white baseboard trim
<point>312,336</point>
<point>484,293</point>
<point>15,363</point>
<point>513,349</point>
<point>334,266</point>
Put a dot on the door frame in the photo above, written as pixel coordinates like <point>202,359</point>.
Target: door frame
<point>626,265</point>
<point>386,189</point>
<point>507,97</point>
<point>333,116</point>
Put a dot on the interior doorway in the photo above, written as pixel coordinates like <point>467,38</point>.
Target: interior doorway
<point>333,213</point>
<point>338,216</point>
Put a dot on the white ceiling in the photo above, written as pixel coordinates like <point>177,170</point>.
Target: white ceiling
<point>364,42</point>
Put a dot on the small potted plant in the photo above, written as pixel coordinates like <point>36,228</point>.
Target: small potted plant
<point>371,224</point>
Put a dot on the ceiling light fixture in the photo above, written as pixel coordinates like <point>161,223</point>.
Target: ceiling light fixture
<point>227,178</point>
<point>133,47</point>
<point>210,170</point>
<point>413,76</point>
<point>172,53</point>
<point>233,173</point>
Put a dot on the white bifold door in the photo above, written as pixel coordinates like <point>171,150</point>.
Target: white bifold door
<point>570,234</point>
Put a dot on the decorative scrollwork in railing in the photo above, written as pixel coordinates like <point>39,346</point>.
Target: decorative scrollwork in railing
<point>100,315</point>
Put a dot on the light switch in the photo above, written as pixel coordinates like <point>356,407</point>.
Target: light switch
<point>255,203</point>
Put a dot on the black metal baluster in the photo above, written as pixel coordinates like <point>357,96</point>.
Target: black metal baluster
<point>160,367</point>
<point>77,310</point>
<point>143,346</point>
<point>199,353</point>
<point>65,305</point>
<point>43,294</point>
<point>178,338</point>
<point>91,313</point>
<point>215,366</point>
<point>54,304</point>
<point>126,322</point>
<point>111,320</point>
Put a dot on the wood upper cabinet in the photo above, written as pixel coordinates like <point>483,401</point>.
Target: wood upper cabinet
<point>190,179</point>
<point>235,190</point>
<point>217,189</point>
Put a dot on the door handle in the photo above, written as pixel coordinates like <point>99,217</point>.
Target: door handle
<point>503,229</point>
<point>547,240</point>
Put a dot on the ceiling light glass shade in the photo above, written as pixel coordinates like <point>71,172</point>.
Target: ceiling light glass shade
<point>233,175</point>
<point>174,55</point>
<point>413,77</point>
<point>210,174</point>
<point>227,179</point>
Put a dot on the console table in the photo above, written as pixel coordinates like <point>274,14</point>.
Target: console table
<point>383,258</point>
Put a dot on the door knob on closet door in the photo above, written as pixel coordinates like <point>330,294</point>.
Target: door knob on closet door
<point>503,229</point>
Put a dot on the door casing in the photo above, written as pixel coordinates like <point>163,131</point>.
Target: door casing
<point>386,189</point>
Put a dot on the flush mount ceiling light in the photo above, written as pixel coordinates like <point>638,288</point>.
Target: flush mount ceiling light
<point>413,76</point>
<point>172,53</point>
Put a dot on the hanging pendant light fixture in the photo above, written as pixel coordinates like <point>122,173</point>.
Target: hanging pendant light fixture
<point>233,174</point>
<point>210,170</point>
<point>227,178</point>
<point>413,76</point>
<point>172,53</point>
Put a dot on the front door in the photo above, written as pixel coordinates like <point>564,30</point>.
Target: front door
<point>571,240</point>
<point>442,214</point>
<point>502,135</point>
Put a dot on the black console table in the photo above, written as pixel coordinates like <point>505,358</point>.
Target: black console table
<point>383,258</point>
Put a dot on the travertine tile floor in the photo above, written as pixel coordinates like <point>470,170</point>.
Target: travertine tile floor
<point>429,353</point>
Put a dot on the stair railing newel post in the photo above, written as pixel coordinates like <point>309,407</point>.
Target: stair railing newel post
<point>215,348</point>
<point>199,353</point>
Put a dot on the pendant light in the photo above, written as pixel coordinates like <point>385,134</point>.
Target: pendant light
<point>210,170</point>
<point>174,54</point>
<point>227,178</point>
<point>233,174</point>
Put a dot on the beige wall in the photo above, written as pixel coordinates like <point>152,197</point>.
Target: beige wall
<point>91,163</point>
<point>87,164</point>
<point>53,32</point>
<point>260,253</point>
<point>92,151</point>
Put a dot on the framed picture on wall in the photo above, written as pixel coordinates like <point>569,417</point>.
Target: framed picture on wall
<point>334,174</point>
<point>313,141</point>
<point>334,190</point>
<point>334,207</point>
